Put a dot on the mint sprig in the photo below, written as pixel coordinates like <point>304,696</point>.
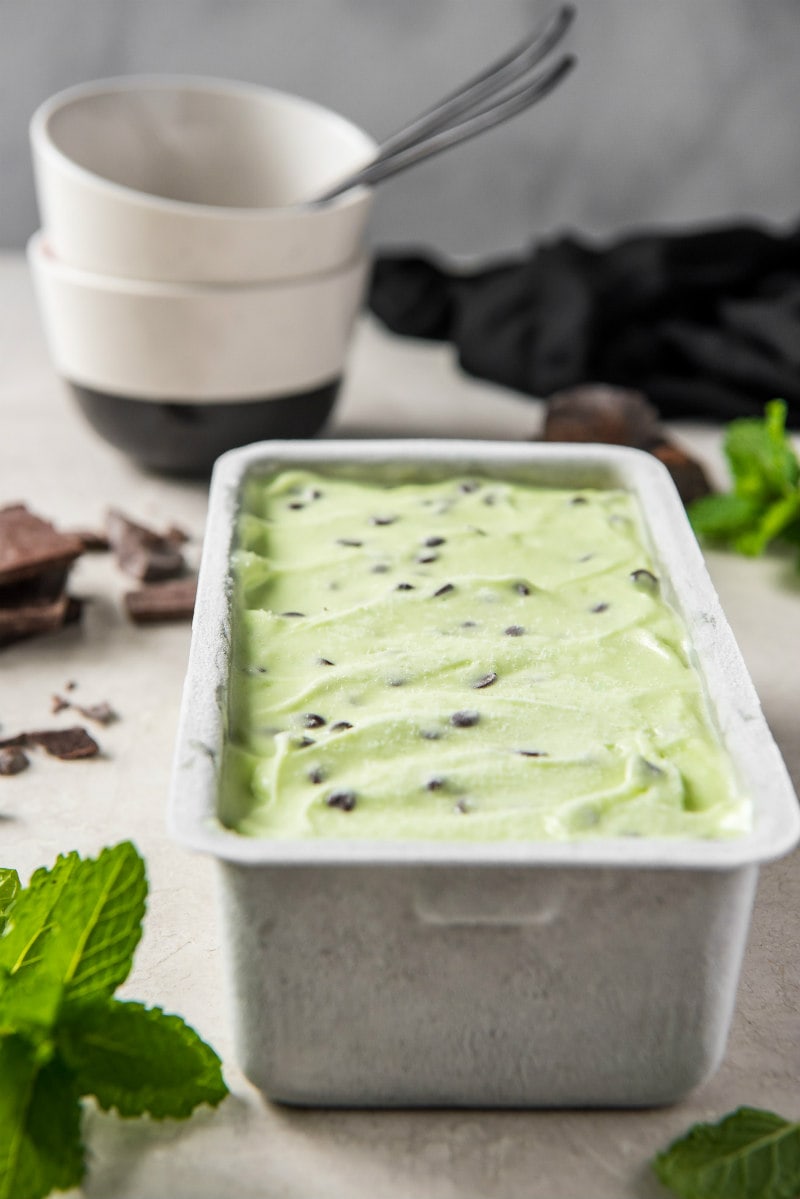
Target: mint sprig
<point>749,1154</point>
<point>764,505</point>
<point>67,943</point>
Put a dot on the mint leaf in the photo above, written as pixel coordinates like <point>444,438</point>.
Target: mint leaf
<point>760,454</point>
<point>40,1140</point>
<point>75,927</point>
<point>749,1154</point>
<point>9,886</point>
<point>720,517</point>
<point>139,1059</point>
<point>773,522</point>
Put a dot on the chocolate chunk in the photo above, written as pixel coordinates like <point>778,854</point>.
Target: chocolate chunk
<point>344,800</point>
<point>514,630</point>
<point>432,542</point>
<point>341,726</point>
<point>13,760</point>
<point>173,600</point>
<point>485,681</point>
<point>350,541</point>
<point>404,587</point>
<point>444,590</point>
<point>312,721</point>
<point>595,412</point>
<point>141,551</point>
<point>61,743</point>
<point>464,720</point>
<point>522,589</point>
<point>382,520</point>
<point>317,775</point>
<point>687,473</point>
<point>599,608</point>
<point>645,579</point>
<point>30,546</point>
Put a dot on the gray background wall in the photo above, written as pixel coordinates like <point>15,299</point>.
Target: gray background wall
<point>681,110</point>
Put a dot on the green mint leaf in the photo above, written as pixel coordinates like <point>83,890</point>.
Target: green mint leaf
<point>40,1139</point>
<point>139,1059</point>
<point>750,1154</point>
<point>776,520</point>
<point>75,927</point>
<point>720,517</point>
<point>9,887</point>
<point>760,454</point>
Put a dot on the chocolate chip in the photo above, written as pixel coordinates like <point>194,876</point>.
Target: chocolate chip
<point>312,721</point>
<point>532,753</point>
<point>490,500</point>
<point>579,499</point>
<point>324,662</point>
<point>253,670</point>
<point>341,726</point>
<point>13,760</point>
<point>599,608</point>
<point>317,775</point>
<point>302,742</point>
<point>396,682</point>
<point>469,624</point>
<point>461,806</point>
<point>430,734</point>
<point>644,578</point>
<point>464,720</point>
<point>435,784</point>
<point>424,559</point>
<point>296,505</point>
<point>432,542</point>
<point>315,494</point>
<point>522,589</point>
<point>380,568</point>
<point>344,800</point>
<point>382,520</point>
<point>292,613</point>
<point>444,590</point>
<point>514,630</point>
<point>350,541</point>
<point>405,587</point>
<point>485,681</point>
<point>468,486</point>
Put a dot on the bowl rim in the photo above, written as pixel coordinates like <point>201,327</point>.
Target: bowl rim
<point>44,146</point>
<point>42,257</point>
<point>192,819</point>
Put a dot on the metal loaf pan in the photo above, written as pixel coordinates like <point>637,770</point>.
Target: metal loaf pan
<point>598,972</point>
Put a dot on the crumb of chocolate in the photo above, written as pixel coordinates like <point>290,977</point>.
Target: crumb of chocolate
<point>58,704</point>
<point>13,760</point>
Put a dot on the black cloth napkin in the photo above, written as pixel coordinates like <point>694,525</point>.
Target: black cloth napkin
<point>706,322</point>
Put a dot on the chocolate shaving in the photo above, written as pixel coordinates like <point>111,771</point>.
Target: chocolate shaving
<point>140,551</point>
<point>158,602</point>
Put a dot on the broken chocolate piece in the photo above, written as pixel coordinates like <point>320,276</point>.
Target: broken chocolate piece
<point>67,744</point>
<point>13,760</point>
<point>596,412</point>
<point>173,600</point>
<point>141,551</point>
<point>30,546</point>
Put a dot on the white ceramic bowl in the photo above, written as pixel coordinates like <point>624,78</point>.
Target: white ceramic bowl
<point>174,375</point>
<point>196,180</point>
<point>586,973</point>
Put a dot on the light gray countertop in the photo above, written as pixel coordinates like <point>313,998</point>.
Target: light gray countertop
<point>249,1148</point>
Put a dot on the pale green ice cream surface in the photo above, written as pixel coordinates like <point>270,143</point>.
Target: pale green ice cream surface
<point>461,659</point>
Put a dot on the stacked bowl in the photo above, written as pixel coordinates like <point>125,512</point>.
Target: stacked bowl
<point>193,295</point>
